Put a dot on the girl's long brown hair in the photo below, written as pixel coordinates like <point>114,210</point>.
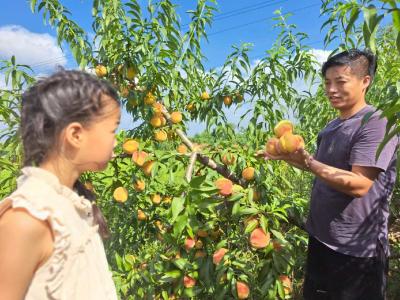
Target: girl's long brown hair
<point>53,103</point>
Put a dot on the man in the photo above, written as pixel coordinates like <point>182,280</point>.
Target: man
<point>348,245</point>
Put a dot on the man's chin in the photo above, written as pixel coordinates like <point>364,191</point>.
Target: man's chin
<point>336,104</point>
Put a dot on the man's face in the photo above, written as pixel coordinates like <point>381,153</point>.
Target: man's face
<point>343,88</point>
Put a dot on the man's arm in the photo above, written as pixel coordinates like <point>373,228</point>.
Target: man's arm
<point>355,183</point>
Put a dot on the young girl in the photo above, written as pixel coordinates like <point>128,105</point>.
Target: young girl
<point>50,247</point>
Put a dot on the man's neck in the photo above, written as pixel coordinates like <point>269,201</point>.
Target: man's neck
<point>345,114</point>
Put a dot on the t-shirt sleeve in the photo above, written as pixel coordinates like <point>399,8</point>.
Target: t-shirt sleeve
<point>367,141</point>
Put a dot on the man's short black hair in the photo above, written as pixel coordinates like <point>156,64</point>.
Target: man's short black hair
<point>362,63</point>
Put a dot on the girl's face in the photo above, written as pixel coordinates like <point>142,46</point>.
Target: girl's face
<point>99,139</point>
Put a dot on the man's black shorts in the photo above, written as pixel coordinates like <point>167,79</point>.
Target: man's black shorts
<point>331,275</point>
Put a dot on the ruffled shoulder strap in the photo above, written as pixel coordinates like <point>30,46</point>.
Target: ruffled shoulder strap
<point>55,266</point>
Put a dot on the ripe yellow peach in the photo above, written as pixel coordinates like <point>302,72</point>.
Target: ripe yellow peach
<point>286,282</point>
<point>101,71</point>
<point>157,107</point>
<point>289,143</point>
<point>225,186</point>
<point>227,100</point>
<point>156,121</point>
<point>156,199</point>
<point>139,185</point>
<point>130,146</point>
<point>189,243</point>
<point>205,96</point>
<point>149,99</point>
<point>139,157</point>
<point>248,173</point>
<point>218,255</point>
<point>271,146</point>
<point>283,127</point>
<point>141,215</point>
<point>259,238</point>
<point>176,117</point>
<point>120,194</point>
<point>188,282</point>
<point>228,159</point>
<point>182,149</point>
<point>242,289</point>
<point>160,136</point>
<point>147,167</point>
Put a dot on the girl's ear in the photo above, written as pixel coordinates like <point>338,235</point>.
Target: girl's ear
<point>74,134</point>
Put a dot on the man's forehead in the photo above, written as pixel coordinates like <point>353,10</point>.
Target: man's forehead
<point>339,72</point>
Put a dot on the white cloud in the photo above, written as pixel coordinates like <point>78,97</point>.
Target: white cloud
<point>35,49</point>
<point>320,55</point>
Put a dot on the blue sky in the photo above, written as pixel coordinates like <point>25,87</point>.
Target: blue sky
<point>236,22</point>
<point>24,34</point>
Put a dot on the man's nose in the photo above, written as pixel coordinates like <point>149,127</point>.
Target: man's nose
<point>330,88</point>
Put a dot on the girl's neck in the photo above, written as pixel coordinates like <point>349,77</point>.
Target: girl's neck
<point>64,173</point>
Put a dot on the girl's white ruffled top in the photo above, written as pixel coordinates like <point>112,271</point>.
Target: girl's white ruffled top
<point>78,267</point>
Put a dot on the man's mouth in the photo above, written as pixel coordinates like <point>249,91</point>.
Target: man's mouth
<point>334,98</point>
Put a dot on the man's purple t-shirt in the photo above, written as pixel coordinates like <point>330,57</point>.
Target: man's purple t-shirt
<point>349,225</point>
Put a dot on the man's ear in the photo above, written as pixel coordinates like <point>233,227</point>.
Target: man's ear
<point>74,134</point>
<point>366,82</point>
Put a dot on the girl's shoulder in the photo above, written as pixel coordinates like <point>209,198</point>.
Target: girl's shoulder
<point>25,231</point>
<point>34,193</point>
<point>35,196</point>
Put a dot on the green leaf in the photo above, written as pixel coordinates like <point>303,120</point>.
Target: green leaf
<point>355,12</point>
<point>196,182</point>
<point>388,136</point>
<point>398,41</point>
<point>176,207</point>
<point>396,18</point>
<point>264,223</point>
<point>251,226</point>
<point>236,208</point>
<point>171,276</point>
<point>371,23</point>
<point>33,5</point>
<point>118,260</point>
<point>180,224</point>
<point>277,234</point>
<point>248,211</point>
<point>181,263</point>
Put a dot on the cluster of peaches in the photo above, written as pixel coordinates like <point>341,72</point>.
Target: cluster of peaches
<point>285,141</point>
<point>258,239</point>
